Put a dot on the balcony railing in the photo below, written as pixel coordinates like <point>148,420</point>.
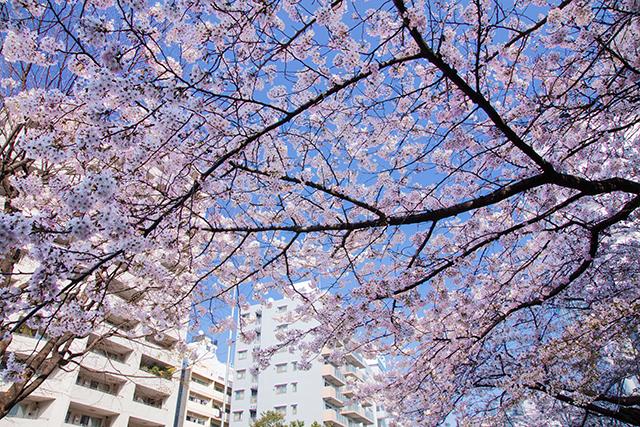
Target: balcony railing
<point>358,413</point>
<point>149,401</point>
<point>356,359</point>
<point>335,419</point>
<point>333,375</point>
<point>95,384</point>
<point>332,395</point>
<point>111,355</point>
<point>353,371</point>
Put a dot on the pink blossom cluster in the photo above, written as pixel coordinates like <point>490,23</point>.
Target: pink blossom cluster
<point>459,180</point>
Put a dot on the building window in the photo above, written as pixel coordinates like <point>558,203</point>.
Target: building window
<point>282,309</point>
<point>294,366</point>
<point>294,409</point>
<point>199,380</point>
<point>282,410</point>
<point>237,416</point>
<point>198,399</point>
<point>78,419</point>
<point>95,384</point>
<point>281,389</point>
<point>149,401</point>
<point>282,367</point>
<point>294,387</point>
<point>240,374</point>
<point>111,355</point>
<point>239,394</point>
<point>242,355</point>
<point>24,410</point>
<point>195,419</point>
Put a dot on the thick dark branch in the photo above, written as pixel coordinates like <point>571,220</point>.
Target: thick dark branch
<point>416,218</point>
<point>423,244</point>
<point>284,120</point>
<point>315,185</point>
<point>624,414</point>
<point>475,96</point>
<point>449,263</point>
<point>598,228</point>
<point>620,400</point>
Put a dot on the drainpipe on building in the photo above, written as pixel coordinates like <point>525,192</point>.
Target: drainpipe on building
<point>231,343</point>
<point>181,404</point>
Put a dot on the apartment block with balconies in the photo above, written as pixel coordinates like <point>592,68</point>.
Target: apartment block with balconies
<point>126,378</point>
<point>323,393</point>
<point>207,387</point>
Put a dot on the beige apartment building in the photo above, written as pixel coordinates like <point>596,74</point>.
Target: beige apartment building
<point>205,402</point>
<point>128,383</point>
<point>118,383</point>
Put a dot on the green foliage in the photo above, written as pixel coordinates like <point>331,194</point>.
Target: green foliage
<point>160,371</point>
<point>26,331</point>
<point>269,419</point>
<point>276,419</point>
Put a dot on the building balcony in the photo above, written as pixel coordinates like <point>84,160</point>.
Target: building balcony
<point>333,375</point>
<point>353,358</point>
<point>138,422</point>
<point>149,397</point>
<point>109,349</point>
<point>356,360</point>
<point>99,381</point>
<point>27,342</point>
<point>30,409</point>
<point>366,402</point>
<point>332,418</point>
<point>157,368</point>
<point>206,411</point>
<point>353,372</point>
<point>348,391</point>
<point>95,399</point>
<point>195,423</point>
<point>80,414</point>
<point>119,324</point>
<point>358,414</point>
<point>333,396</point>
<point>217,413</point>
<point>123,289</point>
<point>206,390</point>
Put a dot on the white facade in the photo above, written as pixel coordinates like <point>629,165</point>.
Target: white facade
<point>205,400</point>
<point>377,366</point>
<point>118,382</point>
<point>321,394</point>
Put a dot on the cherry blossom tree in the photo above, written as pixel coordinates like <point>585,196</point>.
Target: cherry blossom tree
<point>458,179</point>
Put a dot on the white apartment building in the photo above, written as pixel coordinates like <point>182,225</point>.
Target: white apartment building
<point>118,382</point>
<point>204,400</point>
<point>321,394</point>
